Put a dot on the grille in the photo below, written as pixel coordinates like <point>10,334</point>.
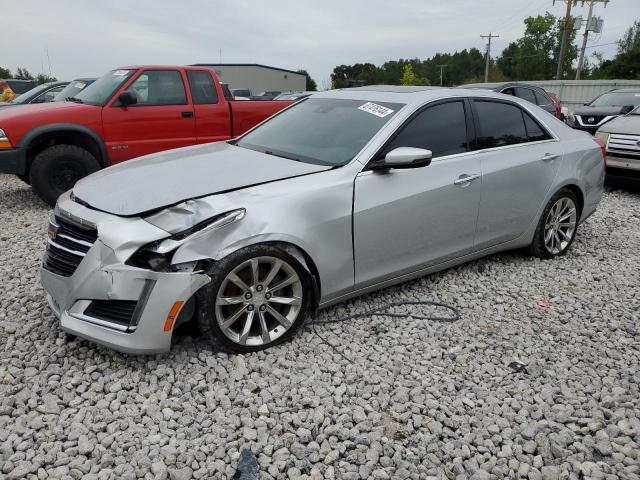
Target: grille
<point>585,119</point>
<point>116,311</point>
<point>628,144</point>
<point>68,244</point>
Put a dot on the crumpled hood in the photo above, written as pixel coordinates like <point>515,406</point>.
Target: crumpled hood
<point>163,179</point>
<point>627,125</point>
<point>599,111</point>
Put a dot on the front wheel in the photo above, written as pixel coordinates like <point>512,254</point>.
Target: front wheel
<point>557,226</point>
<point>57,169</point>
<point>257,298</point>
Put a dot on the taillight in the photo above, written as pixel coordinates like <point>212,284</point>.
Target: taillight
<point>603,147</point>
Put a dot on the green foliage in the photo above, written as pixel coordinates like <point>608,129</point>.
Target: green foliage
<point>624,66</point>
<point>23,74</point>
<point>534,56</point>
<point>344,76</point>
<point>43,78</point>
<point>311,85</point>
<point>410,78</point>
<point>631,38</point>
<point>5,72</point>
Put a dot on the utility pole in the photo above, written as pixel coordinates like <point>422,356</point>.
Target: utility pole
<point>565,36</point>
<point>488,56</point>
<point>441,68</point>
<point>588,27</point>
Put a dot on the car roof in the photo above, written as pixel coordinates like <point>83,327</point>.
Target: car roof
<point>625,90</point>
<point>85,79</point>
<point>409,95</point>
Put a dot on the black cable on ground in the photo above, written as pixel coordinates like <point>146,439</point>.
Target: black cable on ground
<point>385,310</point>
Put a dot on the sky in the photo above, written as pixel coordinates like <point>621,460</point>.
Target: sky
<point>79,38</point>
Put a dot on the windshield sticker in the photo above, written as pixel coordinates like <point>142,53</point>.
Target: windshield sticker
<point>119,73</point>
<point>79,85</point>
<point>375,109</point>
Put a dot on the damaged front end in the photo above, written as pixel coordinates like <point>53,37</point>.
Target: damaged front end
<point>99,287</point>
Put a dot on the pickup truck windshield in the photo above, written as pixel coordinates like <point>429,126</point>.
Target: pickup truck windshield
<point>323,131</point>
<point>101,90</point>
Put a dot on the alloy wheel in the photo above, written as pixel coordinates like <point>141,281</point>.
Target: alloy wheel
<point>258,301</point>
<point>560,225</point>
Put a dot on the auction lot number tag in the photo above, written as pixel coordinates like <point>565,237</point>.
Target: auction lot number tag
<point>375,109</point>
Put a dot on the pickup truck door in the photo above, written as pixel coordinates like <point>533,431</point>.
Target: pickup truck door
<point>213,121</point>
<point>162,118</point>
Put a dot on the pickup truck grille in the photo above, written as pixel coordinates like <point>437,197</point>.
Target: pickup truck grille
<point>67,245</point>
<point>626,144</point>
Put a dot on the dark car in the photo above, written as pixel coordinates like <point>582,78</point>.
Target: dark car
<point>20,86</point>
<point>73,88</point>
<point>41,94</point>
<point>604,108</point>
<point>268,95</point>
<point>531,93</point>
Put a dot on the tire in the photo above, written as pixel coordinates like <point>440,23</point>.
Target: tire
<point>216,318</point>
<point>559,234</point>
<point>56,169</point>
<point>24,178</point>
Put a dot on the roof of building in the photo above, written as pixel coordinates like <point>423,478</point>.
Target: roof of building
<point>245,65</point>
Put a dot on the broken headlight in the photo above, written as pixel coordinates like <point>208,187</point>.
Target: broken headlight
<point>157,255</point>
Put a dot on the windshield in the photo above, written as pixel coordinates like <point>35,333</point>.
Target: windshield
<point>70,90</point>
<point>28,95</point>
<point>324,131</point>
<point>242,93</point>
<point>617,99</point>
<point>101,90</point>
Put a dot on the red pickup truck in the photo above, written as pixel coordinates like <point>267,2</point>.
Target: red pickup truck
<point>128,112</point>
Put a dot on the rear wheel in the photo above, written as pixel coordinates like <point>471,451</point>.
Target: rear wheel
<point>57,169</point>
<point>557,226</point>
<point>257,298</point>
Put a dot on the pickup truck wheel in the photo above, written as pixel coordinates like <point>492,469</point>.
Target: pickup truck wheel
<point>257,298</point>
<point>56,169</point>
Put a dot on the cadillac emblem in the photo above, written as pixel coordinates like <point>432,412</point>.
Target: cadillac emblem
<point>591,119</point>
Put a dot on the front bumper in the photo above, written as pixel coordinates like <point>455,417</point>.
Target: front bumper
<point>102,275</point>
<point>12,161</point>
<point>626,163</point>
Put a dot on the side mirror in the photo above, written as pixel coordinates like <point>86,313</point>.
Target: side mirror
<point>404,157</point>
<point>127,98</point>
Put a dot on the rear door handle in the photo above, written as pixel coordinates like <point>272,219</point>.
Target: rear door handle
<point>547,157</point>
<point>466,179</point>
<point>187,114</point>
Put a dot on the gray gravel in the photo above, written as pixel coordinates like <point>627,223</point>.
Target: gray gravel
<point>417,400</point>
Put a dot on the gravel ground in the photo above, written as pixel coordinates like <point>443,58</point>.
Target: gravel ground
<point>416,400</point>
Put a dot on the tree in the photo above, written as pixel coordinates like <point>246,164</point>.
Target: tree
<point>23,74</point>
<point>408,76</point>
<point>5,72</point>
<point>631,38</point>
<point>534,56</point>
<point>344,76</point>
<point>311,83</point>
<point>43,78</point>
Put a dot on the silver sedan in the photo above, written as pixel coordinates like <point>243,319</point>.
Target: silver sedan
<point>342,193</point>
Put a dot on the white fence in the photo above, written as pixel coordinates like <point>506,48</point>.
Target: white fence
<point>574,93</point>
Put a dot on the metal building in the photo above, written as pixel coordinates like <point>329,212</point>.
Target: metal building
<point>575,93</point>
<point>258,78</point>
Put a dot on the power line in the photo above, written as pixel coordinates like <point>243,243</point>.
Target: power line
<point>587,28</point>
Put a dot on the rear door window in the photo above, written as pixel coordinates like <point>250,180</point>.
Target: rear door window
<point>441,128</point>
<point>499,124</point>
<point>542,99</point>
<point>203,90</point>
<point>526,94</point>
<point>535,132</point>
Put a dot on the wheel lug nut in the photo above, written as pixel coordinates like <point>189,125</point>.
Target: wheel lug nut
<point>259,288</point>
<point>267,296</point>
<point>247,295</point>
<point>250,308</point>
<point>263,308</point>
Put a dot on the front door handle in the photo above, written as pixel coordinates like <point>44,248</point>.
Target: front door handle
<point>547,157</point>
<point>187,114</point>
<point>466,179</point>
